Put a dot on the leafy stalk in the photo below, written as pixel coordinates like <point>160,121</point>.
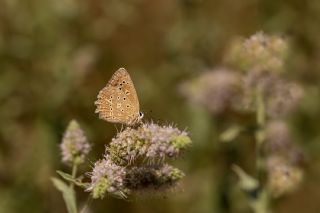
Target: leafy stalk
<point>68,192</point>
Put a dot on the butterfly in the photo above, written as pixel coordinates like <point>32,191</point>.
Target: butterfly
<point>118,101</point>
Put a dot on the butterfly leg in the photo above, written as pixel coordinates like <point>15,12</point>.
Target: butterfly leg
<point>115,125</point>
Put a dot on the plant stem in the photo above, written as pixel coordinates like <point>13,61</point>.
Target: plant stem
<point>260,133</point>
<point>262,202</point>
<point>74,174</point>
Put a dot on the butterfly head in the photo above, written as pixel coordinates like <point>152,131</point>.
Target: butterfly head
<point>140,116</point>
<point>136,120</point>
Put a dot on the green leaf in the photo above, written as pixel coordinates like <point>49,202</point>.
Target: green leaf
<point>230,134</point>
<point>246,181</point>
<point>69,178</point>
<point>67,193</point>
<point>65,176</point>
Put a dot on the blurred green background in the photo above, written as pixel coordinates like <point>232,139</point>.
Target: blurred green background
<point>56,55</point>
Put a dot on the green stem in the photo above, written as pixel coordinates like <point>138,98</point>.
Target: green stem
<point>262,203</point>
<point>74,174</point>
<point>260,133</point>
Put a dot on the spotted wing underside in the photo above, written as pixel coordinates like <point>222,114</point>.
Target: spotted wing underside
<point>118,101</point>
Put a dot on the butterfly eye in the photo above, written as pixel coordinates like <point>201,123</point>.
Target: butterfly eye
<point>141,115</point>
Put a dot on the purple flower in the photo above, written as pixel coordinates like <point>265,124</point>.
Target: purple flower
<point>215,90</point>
<point>259,51</point>
<point>134,161</point>
<point>107,177</point>
<point>278,136</point>
<point>283,177</point>
<point>285,99</point>
<point>280,96</point>
<point>149,141</point>
<point>74,146</point>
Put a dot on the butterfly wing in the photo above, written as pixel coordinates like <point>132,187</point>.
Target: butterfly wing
<point>118,101</point>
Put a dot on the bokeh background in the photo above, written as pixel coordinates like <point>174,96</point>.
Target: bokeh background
<point>56,55</point>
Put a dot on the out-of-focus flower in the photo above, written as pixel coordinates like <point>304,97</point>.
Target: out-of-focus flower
<point>279,145</point>
<point>152,177</point>
<point>107,177</point>
<point>262,80</point>
<point>277,136</point>
<point>284,100</point>
<point>74,146</point>
<point>260,51</point>
<point>148,142</point>
<point>216,90</point>
<point>83,60</point>
<point>283,177</point>
<point>281,97</point>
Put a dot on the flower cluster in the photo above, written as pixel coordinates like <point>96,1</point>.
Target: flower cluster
<point>256,85</point>
<point>260,51</point>
<point>283,158</point>
<point>149,141</point>
<point>74,146</point>
<point>135,161</point>
<point>152,177</point>
<point>278,136</point>
<point>262,58</point>
<point>280,96</point>
<point>283,176</point>
<point>106,177</point>
<point>216,90</point>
